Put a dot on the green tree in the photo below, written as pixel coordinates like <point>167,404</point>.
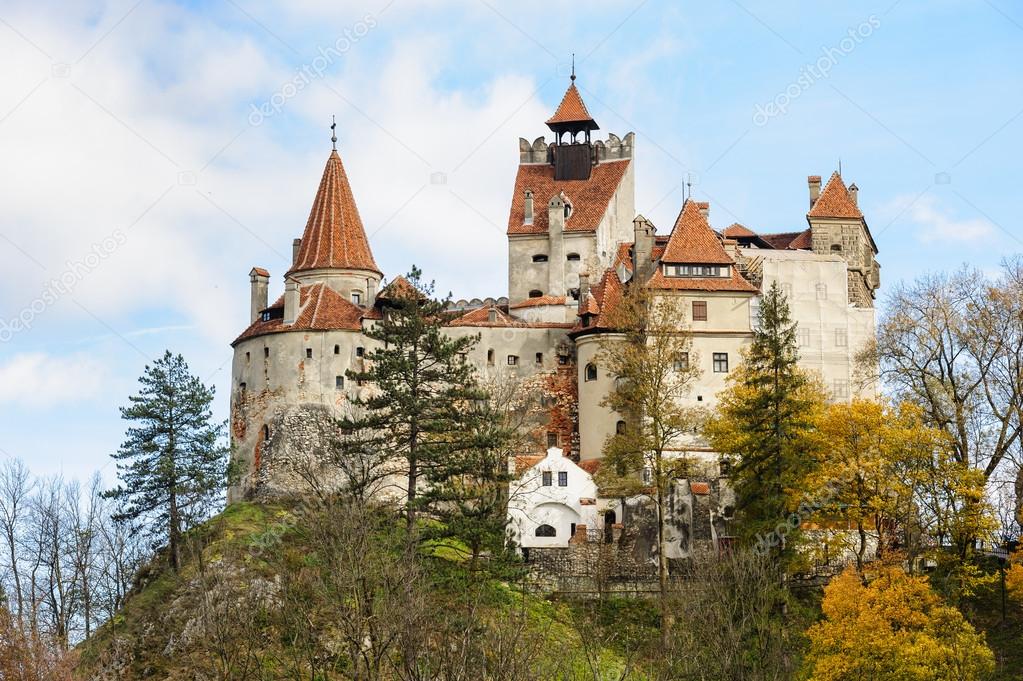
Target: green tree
<point>766,421</point>
<point>650,359</point>
<point>423,404</point>
<point>173,465</point>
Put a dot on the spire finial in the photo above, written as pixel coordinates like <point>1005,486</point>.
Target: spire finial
<point>573,67</point>
<point>333,134</point>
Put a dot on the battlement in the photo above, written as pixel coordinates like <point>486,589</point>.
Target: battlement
<point>613,149</point>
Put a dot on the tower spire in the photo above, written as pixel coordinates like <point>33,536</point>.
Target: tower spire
<point>333,133</point>
<point>573,67</point>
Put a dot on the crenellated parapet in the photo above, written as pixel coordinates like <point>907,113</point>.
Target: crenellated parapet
<point>614,148</point>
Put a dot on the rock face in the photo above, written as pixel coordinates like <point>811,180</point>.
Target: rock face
<point>298,453</point>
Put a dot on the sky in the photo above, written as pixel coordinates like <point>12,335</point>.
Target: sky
<point>153,152</point>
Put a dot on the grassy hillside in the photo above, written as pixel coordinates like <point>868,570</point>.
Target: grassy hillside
<point>248,604</point>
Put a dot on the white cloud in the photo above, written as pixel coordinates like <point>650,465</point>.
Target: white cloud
<point>41,380</point>
<point>935,223</point>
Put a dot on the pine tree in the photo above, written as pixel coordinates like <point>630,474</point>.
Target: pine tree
<point>765,421</point>
<point>173,465</point>
<point>422,409</point>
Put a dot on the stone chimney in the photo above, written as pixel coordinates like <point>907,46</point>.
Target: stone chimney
<point>492,315</point>
<point>642,248</point>
<point>854,194</point>
<point>556,245</point>
<point>584,286</point>
<point>295,246</point>
<point>291,299</point>
<point>528,219</point>
<point>814,182</point>
<point>259,279</point>
<point>580,535</point>
<point>371,292</point>
<point>704,207</point>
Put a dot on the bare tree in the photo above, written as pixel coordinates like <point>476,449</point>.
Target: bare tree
<point>16,489</point>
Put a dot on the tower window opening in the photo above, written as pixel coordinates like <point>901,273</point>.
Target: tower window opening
<point>356,298</point>
<point>360,351</point>
<point>620,428</point>
<point>591,372</point>
<point>266,432</point>
<point>266,353</point>
<point>539,358</point>
<point>490,356</point>
<point>572,257</point>
<point>540,257</point>
<point>339,382</point>
<point>535,293</point>
<point>308,353</point>
<point>247,357</point>
<point>337,349</point>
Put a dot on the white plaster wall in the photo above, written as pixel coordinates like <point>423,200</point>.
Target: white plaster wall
<point>532,504</point>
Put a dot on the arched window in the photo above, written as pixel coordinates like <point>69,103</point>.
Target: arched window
<point>620,428</point>
<point>590,372</point>
<point>546,531</point>
<point>535,293</point>
<point>540,257</point>
<point>572,257</point>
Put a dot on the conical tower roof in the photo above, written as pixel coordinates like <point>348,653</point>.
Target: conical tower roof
<point>334,237</point>
<point>572,113</point>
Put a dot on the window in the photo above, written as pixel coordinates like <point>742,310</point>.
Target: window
<point>266,352</point>
<point>513,360</point>
<point>360,352</point>
<point>803,337</point>
<point>699,310</point>
<point>648,476</point>
<point>545,478</point>
<point>841,389</point>
<point>490,357</point>
<point>786,290</point>
<point>247,357</point>
<point>545,531</point>
<point>822,291</point>
<point>720,362</point>
<point>337,349</point>
<point>682,362</point>
<point>836,248</point>
<point>535,293</point>
<point>572,257</point>
<point>339,382</point>
<point>539,257</point>
<point>841,338</point>
<point>552,440</point>
<point>573,293</point>
<point>562,479</point>
<point>620,428</point>
<point>539,358</point>
<point>265,432</point>
<point>241,388</point>
<point>590,372</point>
<point>562,360</point>
<point>725,466</point>
<point>308,353</point>
<point>356,297</point>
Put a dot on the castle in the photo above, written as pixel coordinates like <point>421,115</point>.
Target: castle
<point>575,242</point>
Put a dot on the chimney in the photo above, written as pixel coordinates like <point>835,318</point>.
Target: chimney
<point>492,315</point>
<point>259,279</point>
<point>556,215</point>
<point>528,220</point>
<point>580,535</point>
<point>291,298</point>
<point>854,194</point>
<point>642,248</point>
<point>371,292</point>
<point>584,286</point>
<point>704,207</point>
<point>295,246</point>
<point>814,181</point>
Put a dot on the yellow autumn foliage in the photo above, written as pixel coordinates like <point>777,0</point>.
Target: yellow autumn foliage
<point>894,628</point>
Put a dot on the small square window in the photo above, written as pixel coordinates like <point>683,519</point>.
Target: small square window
<point>266,352</point>
<point>720,362</point>
<point>539,358</point>
<point>682,363</point>
<point>308,353</point>
<point>786,290</point>
<point>699,311</point>
<point>339,382</point>
<point>562,479</point>
<point>552,439</point>
<point>337,349</point>
<point>841,338</point>
<point>490,357</point>
<point>803,337</point>
<point>545,478</point>
<point>360,352</point>
<point>513,360</point>
<point>356,298</point>
<point>841,389</point>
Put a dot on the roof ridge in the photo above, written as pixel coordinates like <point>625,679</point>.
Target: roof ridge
<point>834,201</point>
<point>692,241</point>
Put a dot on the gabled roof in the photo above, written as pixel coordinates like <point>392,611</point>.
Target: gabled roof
<point>572,110</point>
<point>399,287</point>
<point>481,317</point>
<point>589,198</point>
<point>834,201</point>
<point>692,241</point>
<point>781,240</point>
<point>803,242</point>
<point>334,236</point>
<point>736,230</point>
<point>602,302</point>
<point>320,308</point>
<point>735,283</point>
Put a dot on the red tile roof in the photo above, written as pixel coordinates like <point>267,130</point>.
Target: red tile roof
<point>736,230</point>
<point>781,240</point>
<point>803,242</point>
<point>692,240</point>
<point>834,201</point>
<point>591,466</point>
<point>572,109</point>
<point>399,287</point>
<point>589,198</point>
<point>700,487</point>
<point>260,271</point>
<point>321,308</point>
<point>481,317</point>
<point>334,236</point>
<point>588,305</point>
<point>539,301</point>
<point>524,462</point>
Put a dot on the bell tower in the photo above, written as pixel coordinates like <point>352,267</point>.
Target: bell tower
<point>571,154</point>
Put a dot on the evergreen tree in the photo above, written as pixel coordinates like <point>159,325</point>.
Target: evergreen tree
<point>423,409</point>
<point>173,466</point>
<point>766,422</point>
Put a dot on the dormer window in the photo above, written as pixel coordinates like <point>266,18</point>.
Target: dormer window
<point>540,257</point>
<point>265,316</point>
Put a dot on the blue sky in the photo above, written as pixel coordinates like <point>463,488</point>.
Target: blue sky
<point>136,170</point>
